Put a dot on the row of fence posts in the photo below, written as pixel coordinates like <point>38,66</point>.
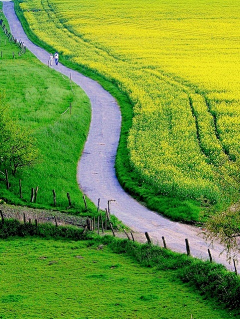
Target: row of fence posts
<point>12,39</point>
<point>187,249</point>
<point>100,223</point>
<point>34,193</point>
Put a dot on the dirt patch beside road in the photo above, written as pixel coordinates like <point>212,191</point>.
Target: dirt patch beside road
<point>43,216</point>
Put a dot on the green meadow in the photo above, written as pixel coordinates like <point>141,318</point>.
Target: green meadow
<point>43,278</point>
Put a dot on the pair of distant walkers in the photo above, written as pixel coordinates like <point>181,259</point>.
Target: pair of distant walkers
<point>55,59</point>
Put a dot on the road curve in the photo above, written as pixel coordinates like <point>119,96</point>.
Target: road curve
<point>96,174</point>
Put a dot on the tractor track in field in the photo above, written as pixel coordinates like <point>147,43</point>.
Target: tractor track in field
<point>96,174</point>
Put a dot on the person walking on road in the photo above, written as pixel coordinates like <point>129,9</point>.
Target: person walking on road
<point>51,59</point>
<point>56,58</point>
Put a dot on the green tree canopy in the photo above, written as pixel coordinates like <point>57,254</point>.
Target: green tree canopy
<point>225,227</point>
<point>17,146</point>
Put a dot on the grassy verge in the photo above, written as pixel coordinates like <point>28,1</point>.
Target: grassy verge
<point>38,98</point>
<point>101,278</point>
<point>175,208</point>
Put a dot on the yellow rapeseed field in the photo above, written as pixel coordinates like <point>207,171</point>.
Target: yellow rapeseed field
<point>179,62</point>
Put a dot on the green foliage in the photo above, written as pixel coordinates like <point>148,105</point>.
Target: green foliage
<point>212,279</point>
<point>10,228</point>
<point>225,226</point>
<point>16,144</point>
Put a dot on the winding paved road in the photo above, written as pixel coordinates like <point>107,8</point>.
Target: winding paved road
<point>96,174</point>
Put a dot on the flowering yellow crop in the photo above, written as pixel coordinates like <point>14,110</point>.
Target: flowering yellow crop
<point>179,63</point>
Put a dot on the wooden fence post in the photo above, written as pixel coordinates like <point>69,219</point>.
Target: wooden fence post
<point>32,195</point>
<point>132,236</point>
<point>88,221</point>
<point>55,219</point>
<point>102,223</point>
<point>148,238</point>
<point>210,256</point>
<point>98,205</point>
<point>2,216</point>
<point>235,267</point>
<point>98,223</point>
<point>54,197</point>
<point>112,229</point>
<point>106,218</point>
<point>126,234</point>
<point>24,218</point>
<point>85,229</point>
<point>36,191</point>
<point>187,247</point>
<point>164,242</point>
<point>69,200</point>
<point>7,181</point>
<point>85,203</point>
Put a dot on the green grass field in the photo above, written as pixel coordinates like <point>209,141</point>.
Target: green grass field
<point>36,98</point>
<point>65,279</point>
<point>177,63</point>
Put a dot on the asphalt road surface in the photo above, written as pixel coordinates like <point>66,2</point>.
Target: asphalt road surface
<point>96,174</point>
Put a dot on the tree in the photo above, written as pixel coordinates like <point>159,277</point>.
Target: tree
<point>225,227</point>
<point>17,146</point>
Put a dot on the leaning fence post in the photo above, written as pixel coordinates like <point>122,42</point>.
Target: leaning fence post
<point>54,197</point>
<point>126,234</point>
<point>112,229</point>
<point>164,242</point>
<point>69,200</point>
<point>132,236</point>
<point>55,219</point>
<point>235,267</point>
<point>210,256</point>
<point>187,247</point>
<point>148,238</point>
<point>7,181</point>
